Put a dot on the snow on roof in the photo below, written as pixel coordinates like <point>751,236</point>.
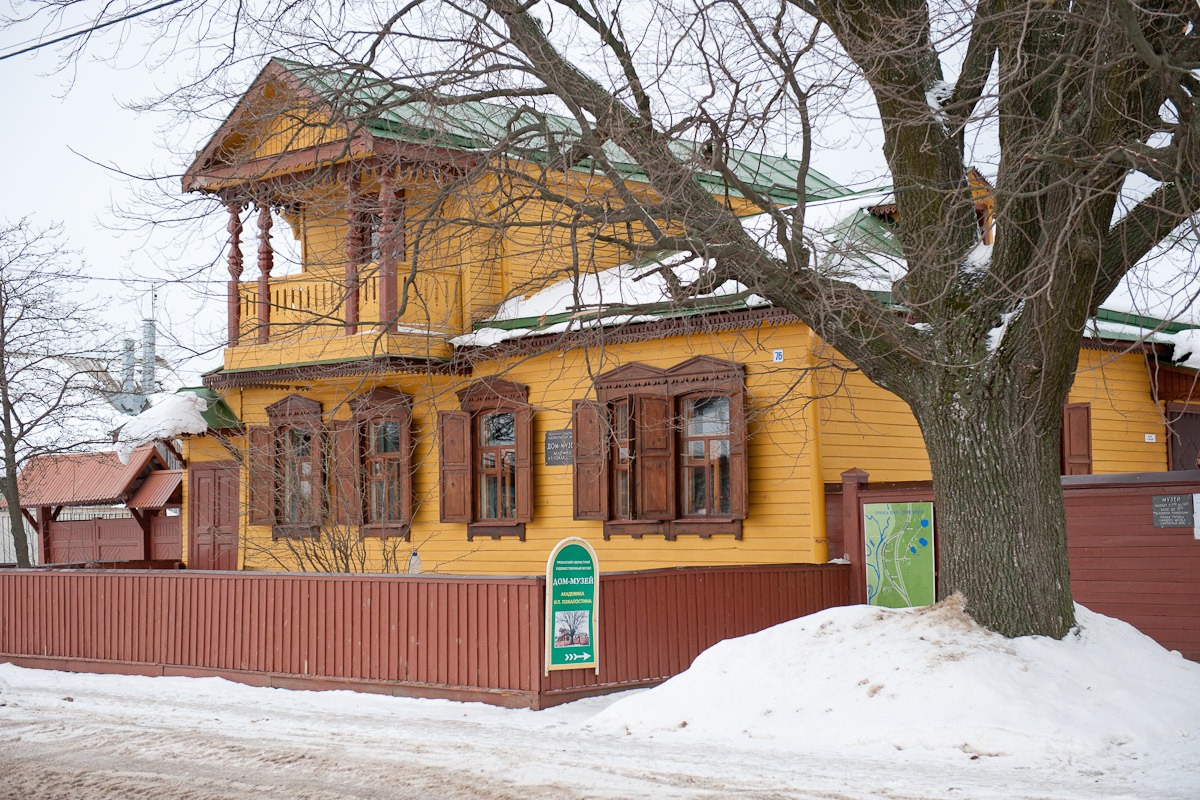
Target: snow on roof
<point>850,243</point>
<point>604,298</point>
<point>168,416</point>
<point>1186,352</point>
<point>927,680</point>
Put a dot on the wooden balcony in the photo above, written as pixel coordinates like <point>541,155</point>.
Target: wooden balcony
<point>313,318</point>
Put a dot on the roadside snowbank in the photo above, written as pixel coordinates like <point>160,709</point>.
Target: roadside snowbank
<point>928,679</point>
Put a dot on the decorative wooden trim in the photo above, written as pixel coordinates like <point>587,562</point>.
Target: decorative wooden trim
<point>354,248</point>
<point>296,376</point>
<point>672,529</point>
<point>493,392</point>
<point>495,530</point>
<point>266,259</point>
<point>295,531</point>
<point>379,402</point>
<point>294,409</point>
<point>393,243</point>
<point>387,530</point>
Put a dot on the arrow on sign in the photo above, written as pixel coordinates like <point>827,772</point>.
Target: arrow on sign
<point>576,656</point>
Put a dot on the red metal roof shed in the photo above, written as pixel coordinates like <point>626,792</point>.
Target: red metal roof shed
<point>157,490</point>
<point>81,478</point>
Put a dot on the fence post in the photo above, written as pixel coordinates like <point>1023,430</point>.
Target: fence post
<point>852,533</point>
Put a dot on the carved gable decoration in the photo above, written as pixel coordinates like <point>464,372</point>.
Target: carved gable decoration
<point>492,391</point>
<point>277,114</point>
<point>294,408</point>
<point>380,402</point>
<point>703,372</point>
<point>628,378</point>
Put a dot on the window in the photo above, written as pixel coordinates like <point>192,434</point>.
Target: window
<point>373,465</point>
<point>486,463</point>
<point>663,451</point>
<point>287,488</point>
<point>704,469</point>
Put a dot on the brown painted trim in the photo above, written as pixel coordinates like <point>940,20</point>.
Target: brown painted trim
<point>885,486</point>
<point>495,530</point>
<point>283,377</point>
<point>1132,479</point>
<point>672,529</point>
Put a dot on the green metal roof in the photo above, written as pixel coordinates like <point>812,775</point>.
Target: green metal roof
<point>385,109</point>
<point>219,415</point>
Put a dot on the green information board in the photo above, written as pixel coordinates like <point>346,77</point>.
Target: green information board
<point>572,606</point>
<point>899,554</point>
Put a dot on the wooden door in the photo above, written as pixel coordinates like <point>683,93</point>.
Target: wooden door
<point>213,516</point>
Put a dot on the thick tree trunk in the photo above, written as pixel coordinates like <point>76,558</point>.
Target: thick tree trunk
<point>1000,518</point>
<point>16,522</point>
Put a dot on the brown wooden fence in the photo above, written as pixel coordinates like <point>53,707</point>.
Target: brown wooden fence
<point>1121,564</point>
<point>116,539</point>
<point>458,637</point>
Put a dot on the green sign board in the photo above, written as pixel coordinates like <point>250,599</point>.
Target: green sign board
<point>572,606</point>
<point>899,554</point>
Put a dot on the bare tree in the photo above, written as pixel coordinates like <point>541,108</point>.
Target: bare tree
<point>1081,104</point>
<point>1086,110</point>
<point>48,403</point>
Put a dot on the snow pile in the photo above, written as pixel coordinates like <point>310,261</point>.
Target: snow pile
<point>1186,352</point>
<point>928,679</point>
<point>169,415</point>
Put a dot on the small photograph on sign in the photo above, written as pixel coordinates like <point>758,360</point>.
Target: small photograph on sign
<point>572,628</point>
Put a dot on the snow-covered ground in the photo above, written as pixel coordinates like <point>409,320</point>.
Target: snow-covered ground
<point>847,704</point>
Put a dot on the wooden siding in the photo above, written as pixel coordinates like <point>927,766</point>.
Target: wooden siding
<point>477,638</point>
<point>1122,566</point>
<point>780,518</point>
<point>870,428</point>
<point>1117,386</point>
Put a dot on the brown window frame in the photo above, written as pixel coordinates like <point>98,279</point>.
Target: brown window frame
<point>461,449</point>
<point>656,399</point>
<point>269,473</point>
<point>355,505</point>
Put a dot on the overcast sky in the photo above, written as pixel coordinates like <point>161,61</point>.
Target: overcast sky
<point>56,124</point>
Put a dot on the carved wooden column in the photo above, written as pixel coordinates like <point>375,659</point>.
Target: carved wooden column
<point>266,259</point>
<point>233,297</point>
<point>354,249</point>
<point>391,235</point>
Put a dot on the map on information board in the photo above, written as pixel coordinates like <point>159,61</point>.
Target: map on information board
<point>899,554</point>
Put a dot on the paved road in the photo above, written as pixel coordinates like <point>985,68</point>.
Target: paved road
<point>163,739</point>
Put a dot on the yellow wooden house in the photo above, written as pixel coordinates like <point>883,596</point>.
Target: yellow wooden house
<point>449,376</point>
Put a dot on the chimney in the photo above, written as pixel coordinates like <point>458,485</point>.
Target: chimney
<point>127,366</point>
<point>148,378</point>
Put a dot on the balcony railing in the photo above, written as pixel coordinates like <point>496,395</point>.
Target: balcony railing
<point>310,317</point>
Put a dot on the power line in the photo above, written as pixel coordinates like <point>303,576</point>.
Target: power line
<point>90,29</point>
